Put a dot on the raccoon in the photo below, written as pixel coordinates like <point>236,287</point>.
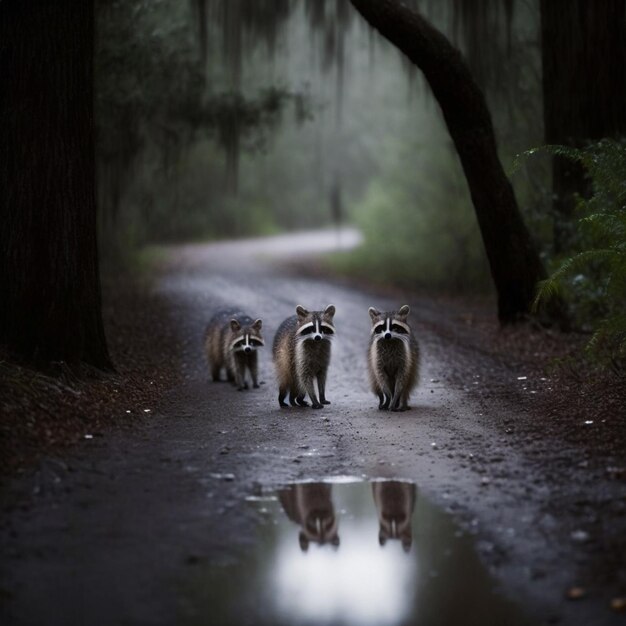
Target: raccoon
<point>393,358</point>
<point>231,342</point>
<point>302,354</point>
<point>310,505</point>
<point>395,502</point>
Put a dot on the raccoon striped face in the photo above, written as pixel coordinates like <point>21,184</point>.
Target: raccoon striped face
<point>246,339</point>
<point>391,325</point>
<point>315,325</point>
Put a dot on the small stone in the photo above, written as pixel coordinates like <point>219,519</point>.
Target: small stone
<point>580,536</point>
<point>576,593</point>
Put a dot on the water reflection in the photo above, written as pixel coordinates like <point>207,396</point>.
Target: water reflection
<point>400,561</point>
<point>310,505</point>
<point>357,583</point>
<point>395,502</point>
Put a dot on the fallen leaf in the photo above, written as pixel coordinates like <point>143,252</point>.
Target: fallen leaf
<point>576,593</point>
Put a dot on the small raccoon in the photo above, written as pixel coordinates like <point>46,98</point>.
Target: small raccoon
<point>393,358</point>
<point>231,342</point>
<point>302,354</point>
<point>395,502</point>
<point>310,505</point>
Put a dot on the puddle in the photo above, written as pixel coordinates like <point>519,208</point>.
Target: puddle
<point>351,553</point>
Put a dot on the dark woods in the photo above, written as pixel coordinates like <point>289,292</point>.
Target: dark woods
<point>49,278</point>
<point>584,92</point>
<point>187,94</point>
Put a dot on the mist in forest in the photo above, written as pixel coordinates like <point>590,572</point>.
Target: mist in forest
<point>232,119</point>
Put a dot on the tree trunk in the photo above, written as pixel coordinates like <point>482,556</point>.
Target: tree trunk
<point>49,279</point>
<point>513,260</point>
<point>584,90</point>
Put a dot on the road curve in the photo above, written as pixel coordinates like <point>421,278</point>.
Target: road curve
<point>112,529</point>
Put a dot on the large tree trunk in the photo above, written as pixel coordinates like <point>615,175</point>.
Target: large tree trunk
<point>584,89</point>
<point>49,282</point>
<point>514,262</point>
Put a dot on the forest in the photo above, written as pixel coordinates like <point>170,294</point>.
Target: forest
<point>456,168</point>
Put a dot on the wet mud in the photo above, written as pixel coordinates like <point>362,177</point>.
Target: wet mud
<point>149,528</point>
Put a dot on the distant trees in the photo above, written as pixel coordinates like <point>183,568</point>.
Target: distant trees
<point>158,93</point>
<point>514,262</point>
<point>49,282</point>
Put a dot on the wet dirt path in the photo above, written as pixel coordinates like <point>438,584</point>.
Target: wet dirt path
<point>109,534</point>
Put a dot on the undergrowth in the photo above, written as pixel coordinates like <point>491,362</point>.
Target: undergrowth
<point>592,278</point>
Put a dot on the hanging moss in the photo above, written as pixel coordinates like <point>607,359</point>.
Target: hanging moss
<point>235,30</point>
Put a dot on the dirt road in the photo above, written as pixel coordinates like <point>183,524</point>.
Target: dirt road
<point>112,533</point>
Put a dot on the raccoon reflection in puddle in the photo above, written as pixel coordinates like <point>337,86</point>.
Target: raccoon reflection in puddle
<point>310,505</point>
<point>366,577</point>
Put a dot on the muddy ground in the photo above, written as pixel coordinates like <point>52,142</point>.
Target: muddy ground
<point>107,531</point>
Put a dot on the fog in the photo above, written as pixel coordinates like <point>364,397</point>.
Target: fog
<point>280,116</point>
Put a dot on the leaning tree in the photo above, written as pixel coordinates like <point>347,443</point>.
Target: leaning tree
<point>513,259</point>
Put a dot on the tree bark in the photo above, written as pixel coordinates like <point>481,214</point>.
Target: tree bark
<point>584,90</point>
<point>514,262</point>
<point>49,279</point>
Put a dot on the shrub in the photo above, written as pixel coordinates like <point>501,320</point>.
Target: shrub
<point>593,279</point>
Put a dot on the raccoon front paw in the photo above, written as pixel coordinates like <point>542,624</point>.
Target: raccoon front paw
<point>302,402</point>
<point>283,405</point>
<point>325,401</point>
<point>317,406</point>
<point>256,385</point>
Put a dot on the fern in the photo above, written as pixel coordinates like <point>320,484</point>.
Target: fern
<point>594,278</point>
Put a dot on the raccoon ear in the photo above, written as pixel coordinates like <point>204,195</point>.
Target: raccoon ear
<point>330,310</point>
<point>404,310</point>
<point>301,311</point>
<point>235,325</point>
<point>374,313</point>
<point>258,324</point>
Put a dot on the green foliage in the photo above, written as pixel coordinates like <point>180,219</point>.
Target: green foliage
<point>179,131</point>
<point>418,223</point>
<point>594,278</point>
<point>170,132</point>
